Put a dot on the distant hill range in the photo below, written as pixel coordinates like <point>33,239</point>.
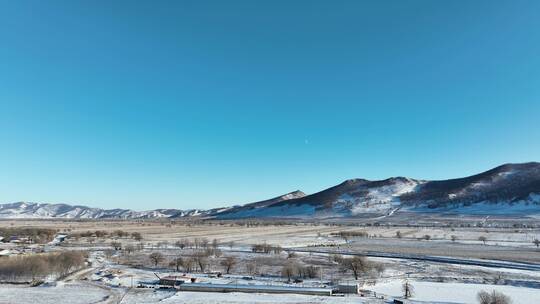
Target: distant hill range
<point>510,189</point>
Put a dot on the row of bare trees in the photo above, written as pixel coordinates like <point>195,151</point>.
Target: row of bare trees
<point>266,248</point>
<point>37,235</point>
<point>38,266</point>
<point>293,269</point>
<point>481,238</point>
<point>346,235</point>
<point>115,234</point>
<point>197,261</point>
<point>200,243</point>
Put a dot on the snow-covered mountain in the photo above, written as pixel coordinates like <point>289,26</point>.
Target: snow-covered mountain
<point>507,189</point>
<point>37,210</point>
<point>350,198</point>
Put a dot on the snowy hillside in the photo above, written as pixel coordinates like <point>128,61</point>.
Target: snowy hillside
<point>507,189</point>
<point>37,210</point>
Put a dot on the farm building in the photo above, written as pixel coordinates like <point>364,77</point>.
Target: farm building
<point>175,280</point>
<point>348,288</point>
<point>206,287</point>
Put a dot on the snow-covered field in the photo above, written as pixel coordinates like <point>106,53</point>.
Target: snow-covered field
<point>141,297</point>
<point>456,292</point>
<point>112,274</point>
<point>525,207</point>
<point>73,293</point>
<point>424,292</point>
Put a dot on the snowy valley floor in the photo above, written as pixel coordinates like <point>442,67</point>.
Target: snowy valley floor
<point>111,274</point>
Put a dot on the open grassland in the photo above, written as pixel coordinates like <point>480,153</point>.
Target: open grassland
<point>511,244</point>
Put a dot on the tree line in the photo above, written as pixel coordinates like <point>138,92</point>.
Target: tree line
<point>36,267</point>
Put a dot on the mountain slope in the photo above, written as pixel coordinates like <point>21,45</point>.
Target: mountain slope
<point>507,183</point>
<point>39,210</point>
<point>507,189</point>
<point>346,199</point>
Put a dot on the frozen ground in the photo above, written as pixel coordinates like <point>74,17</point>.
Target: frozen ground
<point>456,292</point>
<point>147,296</point>
<point>425,292</point>
<point>108,282</point>
<point>74,293</point>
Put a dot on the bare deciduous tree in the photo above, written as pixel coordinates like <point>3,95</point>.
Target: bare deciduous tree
<point>482,239</point>
<point>201,259</point>
<point>69,261</point>
<point>354,264</point>
<point>188,264</point>
<point>229,262</point>
<point>408,289</point>
<point>289,270</point>
<point>156,258</point>
<point>39,266</point>
<point>36,267</point>
<point>310,272</point>
<point>359,265</point>
<point>177,263</point>
<point>495,297</point>
<point>252,267</point>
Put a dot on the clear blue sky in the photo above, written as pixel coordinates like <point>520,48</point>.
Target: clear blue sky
<point>197,104</point>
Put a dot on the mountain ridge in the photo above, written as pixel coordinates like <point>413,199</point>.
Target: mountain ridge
<point>507,186</point>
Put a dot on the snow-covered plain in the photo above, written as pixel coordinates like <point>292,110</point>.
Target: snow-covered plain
<point>166,297</point>
<point>73,293</point>
<point>245,298</point>
<point>456,292</point>
<point>425,292</point>
<point>525,207</point>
